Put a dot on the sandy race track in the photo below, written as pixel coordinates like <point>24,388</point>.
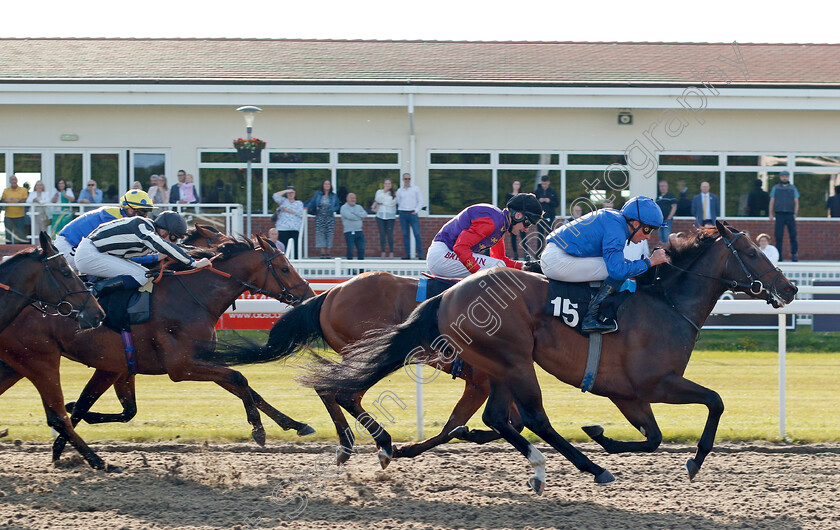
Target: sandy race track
<point>459,486</point>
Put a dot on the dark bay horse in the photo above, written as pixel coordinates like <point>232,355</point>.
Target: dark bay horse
<point>42,277</point>
<point>185,309</point>
<point>341,316</point>
<point>495,321</point>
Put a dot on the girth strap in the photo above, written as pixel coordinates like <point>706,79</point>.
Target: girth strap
<point>593,359</point>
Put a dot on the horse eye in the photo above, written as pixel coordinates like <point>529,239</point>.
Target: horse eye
<point>285,270</point>
<point>752,254</point>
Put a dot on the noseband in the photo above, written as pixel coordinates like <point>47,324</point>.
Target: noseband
<point>63,307</point>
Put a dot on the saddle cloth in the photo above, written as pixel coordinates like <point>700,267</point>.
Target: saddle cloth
<point>430,286</point>
<point>569,301</point>
<point>126,307</point>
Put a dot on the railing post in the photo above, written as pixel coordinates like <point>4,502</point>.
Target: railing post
<point>782,372</point>
<point>419,392</point>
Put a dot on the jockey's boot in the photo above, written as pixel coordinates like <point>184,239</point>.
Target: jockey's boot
<point>594,321</point>
<point>108,286</point>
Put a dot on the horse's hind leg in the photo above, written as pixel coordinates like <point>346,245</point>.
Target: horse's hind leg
<point>281,419</point>
<point>679,390</point>
<point>346,439</point>
<point>352,403</point>
<point>640,416</point>
<point>98,384</point>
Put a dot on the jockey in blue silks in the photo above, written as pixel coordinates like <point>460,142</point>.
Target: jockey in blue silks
<point>134,202</point>
<point>591,248</point>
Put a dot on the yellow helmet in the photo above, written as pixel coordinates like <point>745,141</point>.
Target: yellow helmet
<point>137,199</point>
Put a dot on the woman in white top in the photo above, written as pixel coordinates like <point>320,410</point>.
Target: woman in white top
<point>769,250</point>
<point>159,190</point>
<point>61,216</point>
<point>385,206</point>
<point>288,217</point>
<point>39,196</point>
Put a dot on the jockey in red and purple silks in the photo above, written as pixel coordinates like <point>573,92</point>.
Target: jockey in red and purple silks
<point>456,249</point>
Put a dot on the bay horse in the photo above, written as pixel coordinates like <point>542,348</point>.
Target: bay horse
<point>495,320</point>
<point>41,276</point>
<point>340,317</point>
<point>185,309</point>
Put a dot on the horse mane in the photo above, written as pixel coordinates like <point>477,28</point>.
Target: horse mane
<point>21,256</point>
<point>686,249</point>
<point>193,235</point>
<point>236,246</point>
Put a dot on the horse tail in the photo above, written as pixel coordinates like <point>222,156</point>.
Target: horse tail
<point>299,327</point>
<point>379,352</point>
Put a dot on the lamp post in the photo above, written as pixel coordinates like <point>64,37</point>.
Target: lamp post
<point>250,113</point>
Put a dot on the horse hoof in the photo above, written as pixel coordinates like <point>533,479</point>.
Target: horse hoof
<point>537,485</point>
<point>4,433</point>
<point>69,407</point>
<point>259,436</point>
<point>112,469</point>
<point>604,477</point>
<point>384,458</point>
<point>593,431</point>
<point>459,432</point>
<point>692,468</point>
<point>306,430</point>
<point>341,457</point>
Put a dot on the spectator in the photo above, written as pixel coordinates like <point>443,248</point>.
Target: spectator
<point>757,200</point>
<point>136,185</point>
<point>187,192</point>
<point>324,205</point>
<point>175,191</point>
<point>833,203</point>
<point>274,239</point>
<point>577,211</point>
<point>705,207</point>
<point>110,195</point>
<point>352,217</point>
<point>409,204</point>
<point>91,194</point>
<point>63,195</point>
<point>385,207</point>
<point>606,203</point>
<point>159,190</point>
<point>683,202</point>
<point>40,196</point>
<point>515,187</point>
<point>769,250</point>
<point>220,194</point>
<point>288,217</point>
<point>549,201</point>
<point>784,203</point>
<point>15,215</point>
<point>667,202</point>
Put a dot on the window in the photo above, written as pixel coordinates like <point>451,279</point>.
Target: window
<point>814,190</point>
<point>27,168</point>
<point>306,182</point>
<point>228,186</point>
<point>460,158</point>
<point>364,183</point>
<point>452,190</point>
<point>105,170</point>
<point>146,165</point>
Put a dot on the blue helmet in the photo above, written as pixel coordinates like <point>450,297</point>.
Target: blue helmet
<point>644,210</point>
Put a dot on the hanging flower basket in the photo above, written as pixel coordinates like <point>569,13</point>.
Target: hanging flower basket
<point>249,149</point>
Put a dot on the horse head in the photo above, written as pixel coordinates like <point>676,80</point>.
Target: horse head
<point>205,236</point>
<point>286,279</point>
<point>60,288</point>
<point>748,270</point>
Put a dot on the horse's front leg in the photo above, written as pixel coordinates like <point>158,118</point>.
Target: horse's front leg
<point>640,416</point>
<point>679,390</point>
<point>232,381</point>
<point>98,384</point>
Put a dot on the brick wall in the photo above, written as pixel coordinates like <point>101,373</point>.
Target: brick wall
<point>818,240</point>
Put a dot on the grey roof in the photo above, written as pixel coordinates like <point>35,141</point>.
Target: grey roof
<point>410,62</point>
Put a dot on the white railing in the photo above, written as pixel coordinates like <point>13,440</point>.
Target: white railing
<point>226,217</point>
<point>742,307</point>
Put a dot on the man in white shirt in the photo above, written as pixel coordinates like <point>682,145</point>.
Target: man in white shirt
<point>409,204</point>
<point>705,207</point>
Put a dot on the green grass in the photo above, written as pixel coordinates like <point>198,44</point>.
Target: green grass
<point>801,340</point>
<point>747,381</point>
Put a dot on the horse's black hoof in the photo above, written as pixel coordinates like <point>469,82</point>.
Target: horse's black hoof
<point>692,468</point>
<point>306,430</point>
<point>4,433</point>
<point>341,456</point>
<point>69,407</point>
<point>537,485</point>
<point>604,477</point>
<point>459,432</point>
<point>593,431</point>
<point>112,469</point>
<point>259,436</point>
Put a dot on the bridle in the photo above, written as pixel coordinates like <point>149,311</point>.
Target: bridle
<point>63,307</point>
<point>285,295</point>
<point>753,282</point>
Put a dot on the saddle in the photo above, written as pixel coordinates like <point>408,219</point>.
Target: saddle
<point>569,301</point>
<point>430,286</point>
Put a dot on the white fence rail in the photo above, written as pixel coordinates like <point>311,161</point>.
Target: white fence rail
<point>743,307</point>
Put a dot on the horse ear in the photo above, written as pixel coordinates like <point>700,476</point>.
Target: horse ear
<point>723,230</point>
<point>47,244</point>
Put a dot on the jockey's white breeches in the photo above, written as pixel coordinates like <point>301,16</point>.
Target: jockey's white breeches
<point>558,265</point>
<point>444,262</point>
<point>67,249</point>
<point>92,262</point>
